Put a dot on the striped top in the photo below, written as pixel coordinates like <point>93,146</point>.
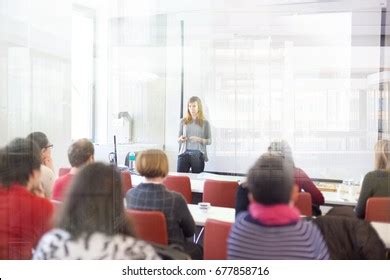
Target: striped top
<point>249,239</point>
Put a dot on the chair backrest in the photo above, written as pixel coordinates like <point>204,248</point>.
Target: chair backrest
<point>304,203</point>
<point>220,193</point>
<point>215,239</point>
<point>378,209</point>
<point>180,184</point>
<point>126,181</point>
<point>63,171</point>
<point>150,225</point>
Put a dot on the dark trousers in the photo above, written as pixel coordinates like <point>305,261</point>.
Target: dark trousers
<point>191,159</point>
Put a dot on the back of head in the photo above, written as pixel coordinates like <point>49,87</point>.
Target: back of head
<point>282,147</point>
<point>152,164</point>
<point>39,138</point>
<point>94,203</point>
<point>271,179</point>
<point>382,154</point>
<point>18,160</point>
<point>80,152</point>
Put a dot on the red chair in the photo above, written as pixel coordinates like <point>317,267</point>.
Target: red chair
<point>220,193</point>
<point>180,184</point>
<point>215,239</point>
<point>304,203</point>
<point>378,209</point>
<point>63,171</point>
<point>150,225</point>
<point>126,181</point>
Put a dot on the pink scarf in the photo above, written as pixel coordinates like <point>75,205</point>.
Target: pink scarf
<point>278,214</point>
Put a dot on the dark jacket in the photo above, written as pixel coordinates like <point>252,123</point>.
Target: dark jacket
<point>156,197</point>
<point>350,238</point>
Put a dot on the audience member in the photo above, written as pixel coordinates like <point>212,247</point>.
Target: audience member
<point>92,223</point>
<point>349,238</point>
<point>47,168</point>
<point>272,228</point>
<point>301,179</point>
<point>153,195</point>
<point>24,217</point>
<point>80,153</point>
<point>377,182</point>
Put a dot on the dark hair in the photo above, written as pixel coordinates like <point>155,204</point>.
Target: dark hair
<point>80,151</point>
<point>39,138</point>
<point>94,203</point>
<point>18,160</point>
<point>271,179</point>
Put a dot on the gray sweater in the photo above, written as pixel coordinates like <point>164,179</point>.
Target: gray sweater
<point>193,129</point>
<point>375,183</point>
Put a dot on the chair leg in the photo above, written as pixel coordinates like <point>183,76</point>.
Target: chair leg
<point>199,235</point>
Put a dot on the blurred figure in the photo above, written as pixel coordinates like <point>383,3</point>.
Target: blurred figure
<point>272,228</point>
<point>376,183</point>
<point>24,217</point>
<point>92,223</point>
<point>302,181</point>
<point>80,153</point>
<point>47,168</point>
<point>154,196</point>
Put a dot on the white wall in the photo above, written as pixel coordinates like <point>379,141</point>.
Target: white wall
<point>35,71</point>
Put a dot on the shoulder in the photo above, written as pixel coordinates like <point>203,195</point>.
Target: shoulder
<point>376,176</point>
<point>298,172</point>
<point>47,171</point>
<point>309,227</point>
<point>177,197</point>
<point>43,204</point>
<point>51,240</point>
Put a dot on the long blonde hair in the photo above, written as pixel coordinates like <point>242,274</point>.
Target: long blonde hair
<point>382,154</point>
<point>188,118</point>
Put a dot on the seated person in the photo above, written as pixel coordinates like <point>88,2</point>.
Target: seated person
<point>93,223</point>
<point>376,183</point>
<point>80,153</point>
<point>47,168</point>
<point>272,227</point>
<point>24,217</point>
<point>154,196</point>
<point>301,179</point>
<point>349,238</point>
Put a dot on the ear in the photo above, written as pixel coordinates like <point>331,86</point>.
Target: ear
<point>91,159</point>
<point>294,194</point>
<point>250,197</point>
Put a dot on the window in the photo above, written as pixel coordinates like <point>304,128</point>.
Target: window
<point>83,73</point>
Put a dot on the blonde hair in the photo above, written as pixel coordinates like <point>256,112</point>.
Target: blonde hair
<point>188,118</point>
<point>152,163</point>
<point>382,154</point>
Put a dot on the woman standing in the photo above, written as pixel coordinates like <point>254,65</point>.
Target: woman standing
<point>377,182</point>
<point>194,135</point>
